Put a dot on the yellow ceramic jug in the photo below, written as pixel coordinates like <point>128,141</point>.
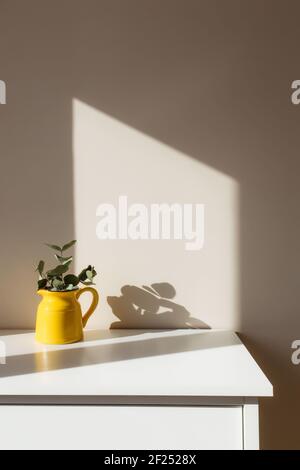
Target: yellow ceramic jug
<point>59,317</point>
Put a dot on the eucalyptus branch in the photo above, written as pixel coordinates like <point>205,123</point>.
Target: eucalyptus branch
<point>58,278</point>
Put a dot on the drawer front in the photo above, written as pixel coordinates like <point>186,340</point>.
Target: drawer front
<point>120,427</point>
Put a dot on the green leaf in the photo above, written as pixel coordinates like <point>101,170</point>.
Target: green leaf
<point>42,283</point>
<point>57,283</point>
<point>40,267</point>
<point>82,276</point>
<point>54,247</point>
<point>71,279</point>
<point>68,245</point>
<point>63,260</point>
<point>59,270</point>
<point>70,287</point>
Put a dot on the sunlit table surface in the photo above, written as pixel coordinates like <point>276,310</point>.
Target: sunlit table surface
<point>126,363</point>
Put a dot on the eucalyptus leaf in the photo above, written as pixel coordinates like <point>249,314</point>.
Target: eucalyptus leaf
<point>70,287</point>
<point>71,279</point>
<point>57,283</point>
<point>42,283</point>
<point>68,245</point>
<point>54,247</point>
<point>82,276</point>
<point>60,269</point>
<point>40,267</point>
<point>63,260</point>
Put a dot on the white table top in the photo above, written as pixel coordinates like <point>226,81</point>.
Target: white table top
<point>168,363</point>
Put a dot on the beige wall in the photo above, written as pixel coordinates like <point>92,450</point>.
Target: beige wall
<point>211,80</point>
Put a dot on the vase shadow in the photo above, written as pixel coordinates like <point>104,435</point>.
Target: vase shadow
<point>151,307</point>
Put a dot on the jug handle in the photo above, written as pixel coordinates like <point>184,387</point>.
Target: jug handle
<point>94,303</point>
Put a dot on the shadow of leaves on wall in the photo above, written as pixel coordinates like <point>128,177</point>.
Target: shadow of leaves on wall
<point>151,307</point>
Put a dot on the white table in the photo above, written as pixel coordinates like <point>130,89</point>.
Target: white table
<point>130,389</point>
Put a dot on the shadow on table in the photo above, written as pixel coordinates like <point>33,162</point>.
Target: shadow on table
<point>85,355</point>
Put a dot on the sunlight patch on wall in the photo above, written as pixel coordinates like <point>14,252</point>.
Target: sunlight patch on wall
<point>112,159</point>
